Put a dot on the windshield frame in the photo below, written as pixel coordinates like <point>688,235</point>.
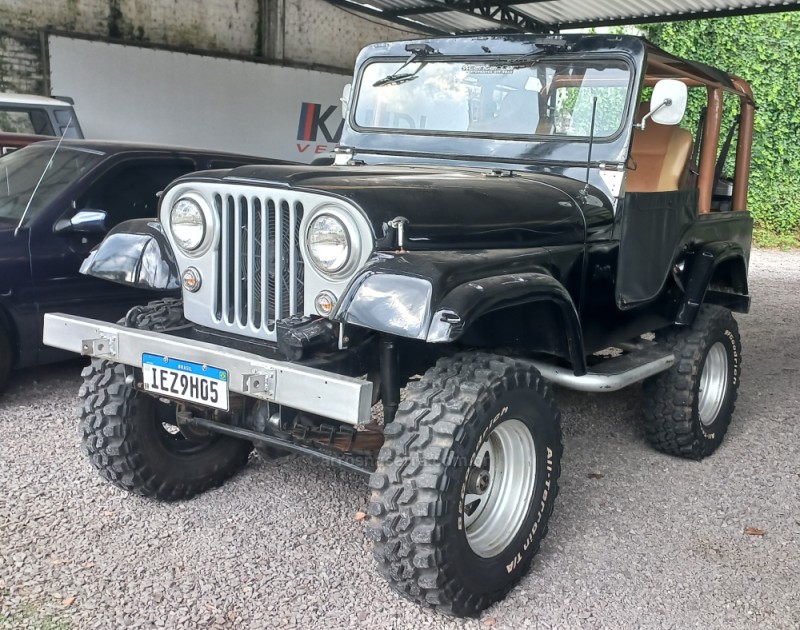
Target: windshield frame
<point>509,59</point>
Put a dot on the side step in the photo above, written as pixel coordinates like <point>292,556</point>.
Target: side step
<point>612,374</point>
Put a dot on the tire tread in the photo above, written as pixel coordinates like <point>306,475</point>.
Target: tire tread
<point>413,470</point>
<point>108,409</point>
<point>669,399</point>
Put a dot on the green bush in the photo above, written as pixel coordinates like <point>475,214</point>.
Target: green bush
<point>765,51</point>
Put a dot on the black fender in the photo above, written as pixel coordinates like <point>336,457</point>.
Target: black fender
<point>420,296</point>
<point>717,274</point>
<point>136,253</point>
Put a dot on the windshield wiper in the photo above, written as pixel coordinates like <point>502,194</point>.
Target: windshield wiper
<point>417,51</point>
<point>396,79</point>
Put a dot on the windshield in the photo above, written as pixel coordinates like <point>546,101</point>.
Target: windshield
<point>546,97</point>
<point>20,171</point>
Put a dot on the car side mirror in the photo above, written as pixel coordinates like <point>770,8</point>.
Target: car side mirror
<point>668,103</point>
<point>84,221</point>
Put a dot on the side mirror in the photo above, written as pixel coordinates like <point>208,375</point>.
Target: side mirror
<point>668,103</point>
<point>84,221</point>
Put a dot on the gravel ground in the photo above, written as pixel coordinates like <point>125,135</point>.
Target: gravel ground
<point>638,539</point>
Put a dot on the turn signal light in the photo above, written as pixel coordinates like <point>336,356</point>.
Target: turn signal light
<point>191,280</point>
<point>325,302</point>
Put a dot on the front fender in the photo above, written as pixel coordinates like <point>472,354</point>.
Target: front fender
<point>136,253</point>
<point>466,303</point>
<point>411,296</point>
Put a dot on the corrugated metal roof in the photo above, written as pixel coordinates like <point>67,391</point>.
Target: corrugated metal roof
<point>453,17</point>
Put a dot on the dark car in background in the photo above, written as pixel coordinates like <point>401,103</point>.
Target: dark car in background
<point>56,204</point>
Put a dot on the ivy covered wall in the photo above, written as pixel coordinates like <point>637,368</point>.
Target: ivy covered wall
<point>764,50</point>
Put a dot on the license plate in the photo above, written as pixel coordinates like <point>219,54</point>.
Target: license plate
<point>185,380</point>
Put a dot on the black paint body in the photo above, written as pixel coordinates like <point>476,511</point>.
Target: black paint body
<point>519,242</point>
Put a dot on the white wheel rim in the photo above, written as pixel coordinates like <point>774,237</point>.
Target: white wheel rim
<point>713,384</point>
<point>493,517</point>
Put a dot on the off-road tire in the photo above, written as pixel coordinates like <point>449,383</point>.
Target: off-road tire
<point>122,433</point>
<point>672,419</point>
<point>417,492</point>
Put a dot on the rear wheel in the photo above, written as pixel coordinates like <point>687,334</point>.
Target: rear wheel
<point>689,407</point>
<point>465,482</point>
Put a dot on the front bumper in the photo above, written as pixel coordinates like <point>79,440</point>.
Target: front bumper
<point>307,389</point>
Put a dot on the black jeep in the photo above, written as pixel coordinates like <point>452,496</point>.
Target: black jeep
<point>504,213</point>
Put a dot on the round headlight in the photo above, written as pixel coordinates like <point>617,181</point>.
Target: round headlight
<point>188,223</point>
<point>328,243</point>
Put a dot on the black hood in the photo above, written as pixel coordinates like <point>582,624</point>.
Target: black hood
<point>446,207</point>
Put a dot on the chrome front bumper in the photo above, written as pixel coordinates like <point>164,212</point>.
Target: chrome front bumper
<point>315,391</point>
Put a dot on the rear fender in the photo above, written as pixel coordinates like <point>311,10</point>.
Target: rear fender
<point>135,253</point>
<point>717,275</point>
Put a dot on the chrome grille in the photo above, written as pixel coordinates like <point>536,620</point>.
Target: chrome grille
<point>259,268</point>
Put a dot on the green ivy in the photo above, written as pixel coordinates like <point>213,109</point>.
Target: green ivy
<point>765,51</point>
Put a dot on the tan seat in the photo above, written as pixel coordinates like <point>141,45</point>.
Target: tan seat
<point>661,154</point>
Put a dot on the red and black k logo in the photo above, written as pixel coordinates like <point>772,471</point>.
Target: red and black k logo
<point>313,120</point>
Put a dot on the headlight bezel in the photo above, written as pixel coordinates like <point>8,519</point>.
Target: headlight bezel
<point>208,222</point>
<point>352,234</point>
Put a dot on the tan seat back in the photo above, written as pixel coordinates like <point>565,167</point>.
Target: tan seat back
<point>661,154</point>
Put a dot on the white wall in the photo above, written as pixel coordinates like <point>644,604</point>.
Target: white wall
<point>147,95</point>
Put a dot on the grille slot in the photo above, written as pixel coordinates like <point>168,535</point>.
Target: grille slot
<point>259,266</point>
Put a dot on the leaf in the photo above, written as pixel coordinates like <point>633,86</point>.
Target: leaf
<point>360,516</point>
<point>754,531</point>
<point>68,601</point>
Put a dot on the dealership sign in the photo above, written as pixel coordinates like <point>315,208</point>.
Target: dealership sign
<point>317,131</point>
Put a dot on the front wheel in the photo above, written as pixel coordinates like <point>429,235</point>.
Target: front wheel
<point>466,482</point>
<point>133,440</point>
<point>689,407</point>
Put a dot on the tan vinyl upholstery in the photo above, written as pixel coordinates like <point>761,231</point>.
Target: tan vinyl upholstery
<point>661,154</point>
